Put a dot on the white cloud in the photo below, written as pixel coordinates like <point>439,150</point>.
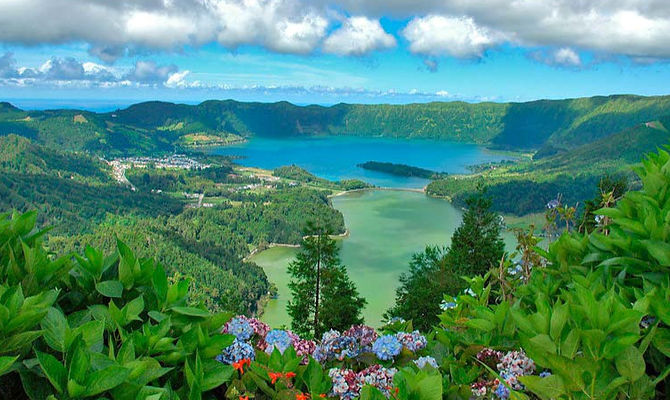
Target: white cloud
<point>282,25</point>
<point>358,36</point>
<point>177,79</point>
<point>568,57</point>
<point>437,35</point>
<point>639,29</point>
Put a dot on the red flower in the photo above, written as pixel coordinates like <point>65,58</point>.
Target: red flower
<point>244,397</point>
<point>302,396</point>
<point>322,395</point>
<point>240,364</point>
<point>274,376</point>
<point>289,375</point>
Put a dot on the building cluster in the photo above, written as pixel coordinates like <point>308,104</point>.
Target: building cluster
<point>176,161</point>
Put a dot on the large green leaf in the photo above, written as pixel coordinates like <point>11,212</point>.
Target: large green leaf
<point>105,379</point>
<point>110,288</point>
<point>630,364</point>
<point>53,370</point>
<point>55,327</point>
<point>6,363</point>
<point>550,387</point>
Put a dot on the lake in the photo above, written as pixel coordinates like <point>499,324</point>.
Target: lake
<point>337,157</point>
<point>385,228</point>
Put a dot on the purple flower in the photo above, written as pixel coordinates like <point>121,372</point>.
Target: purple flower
<point>414,341</point>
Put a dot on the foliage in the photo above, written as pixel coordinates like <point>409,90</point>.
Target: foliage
<point>99,326</point>
<point>592,315</point>
<point>323,296</point>
<point>401,170</point>
<point>476,247</point>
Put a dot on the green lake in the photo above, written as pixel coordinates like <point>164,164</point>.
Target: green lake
<point>385,228</point>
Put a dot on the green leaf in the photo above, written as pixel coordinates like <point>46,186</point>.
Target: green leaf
<point>369,392</point>
<point>110,288</point>
<point>481,324</point>
<point>215,374</point>
<point>559,317</point>
<point>54,370</point>
<point>6,363</point>
<point>659,250</point>
<point>543,343</point>
<point>55,326</point>
<point>630,364</point>
<point>550,387</point>
<point>105,379</point>
<point>191,311</point>
<point>160,282</point>
<point>661,341</point>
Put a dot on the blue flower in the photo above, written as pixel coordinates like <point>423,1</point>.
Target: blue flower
<point>386,347</point>
<point>279,339</point>
<point>544,374</point>
<point>502,392</point>
<point>445,305</point>
<point>235,352</point>
<point>240,327</point>
<point>421,362</point>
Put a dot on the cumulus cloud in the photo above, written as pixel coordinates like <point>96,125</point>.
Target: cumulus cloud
<point>638,29</point>
<point>64,72</point>
<point>358,36</point>
<point>461,37</point>
<point>563,57</point>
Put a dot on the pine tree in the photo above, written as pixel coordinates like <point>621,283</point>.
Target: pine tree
<point>323,296</point>
<point>476,246</point>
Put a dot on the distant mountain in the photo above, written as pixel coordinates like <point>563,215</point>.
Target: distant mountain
<point>526,187</point>
<point>551,126</point>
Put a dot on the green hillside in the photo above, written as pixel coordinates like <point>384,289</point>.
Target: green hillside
<point>526,187</point>
<point>549,125</point>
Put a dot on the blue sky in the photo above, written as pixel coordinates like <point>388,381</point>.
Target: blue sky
<point>88,51</point>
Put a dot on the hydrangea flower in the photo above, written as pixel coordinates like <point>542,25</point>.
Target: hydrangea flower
<point>302,347</point>
<point>516,363</point>
<point>448,305</point>
<point>421,362</point>
<point>545,374</point>
<point>346,384</point>
<point>278,339</point>
<point>240,327</point>
<point>379,377</point>
<point>364,335</point>
<point>387,347</point>
<point>414,341</point>
<point>235,352</point>
<point>502,392</point>
<point>479,389</point>
<point>260,328</point>
<point>336,346</point>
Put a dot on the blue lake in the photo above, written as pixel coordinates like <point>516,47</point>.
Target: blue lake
<point>336,158</point>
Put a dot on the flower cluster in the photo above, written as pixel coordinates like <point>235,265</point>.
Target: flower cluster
<point>336,347</point>
<point>364,335</point>
<point>413,341</point>
<point>387,347</point>
<point>277,339</point>
<point>510,365</point>
<point>347,384</point>
<point>240,327</point>
<point>237,351</point>
<point>303,347</point>
<point>448,305</point>
<point>421,362</point>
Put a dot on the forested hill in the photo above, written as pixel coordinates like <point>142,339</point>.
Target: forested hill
<point>549,125</point>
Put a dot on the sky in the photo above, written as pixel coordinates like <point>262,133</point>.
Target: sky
<point>101,53</point>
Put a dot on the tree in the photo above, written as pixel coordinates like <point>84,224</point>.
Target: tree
<point>422,288</point>
<point>323,296</point>
<point>476,246</point>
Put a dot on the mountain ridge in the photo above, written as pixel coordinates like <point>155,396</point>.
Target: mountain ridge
<point>158,126</point>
